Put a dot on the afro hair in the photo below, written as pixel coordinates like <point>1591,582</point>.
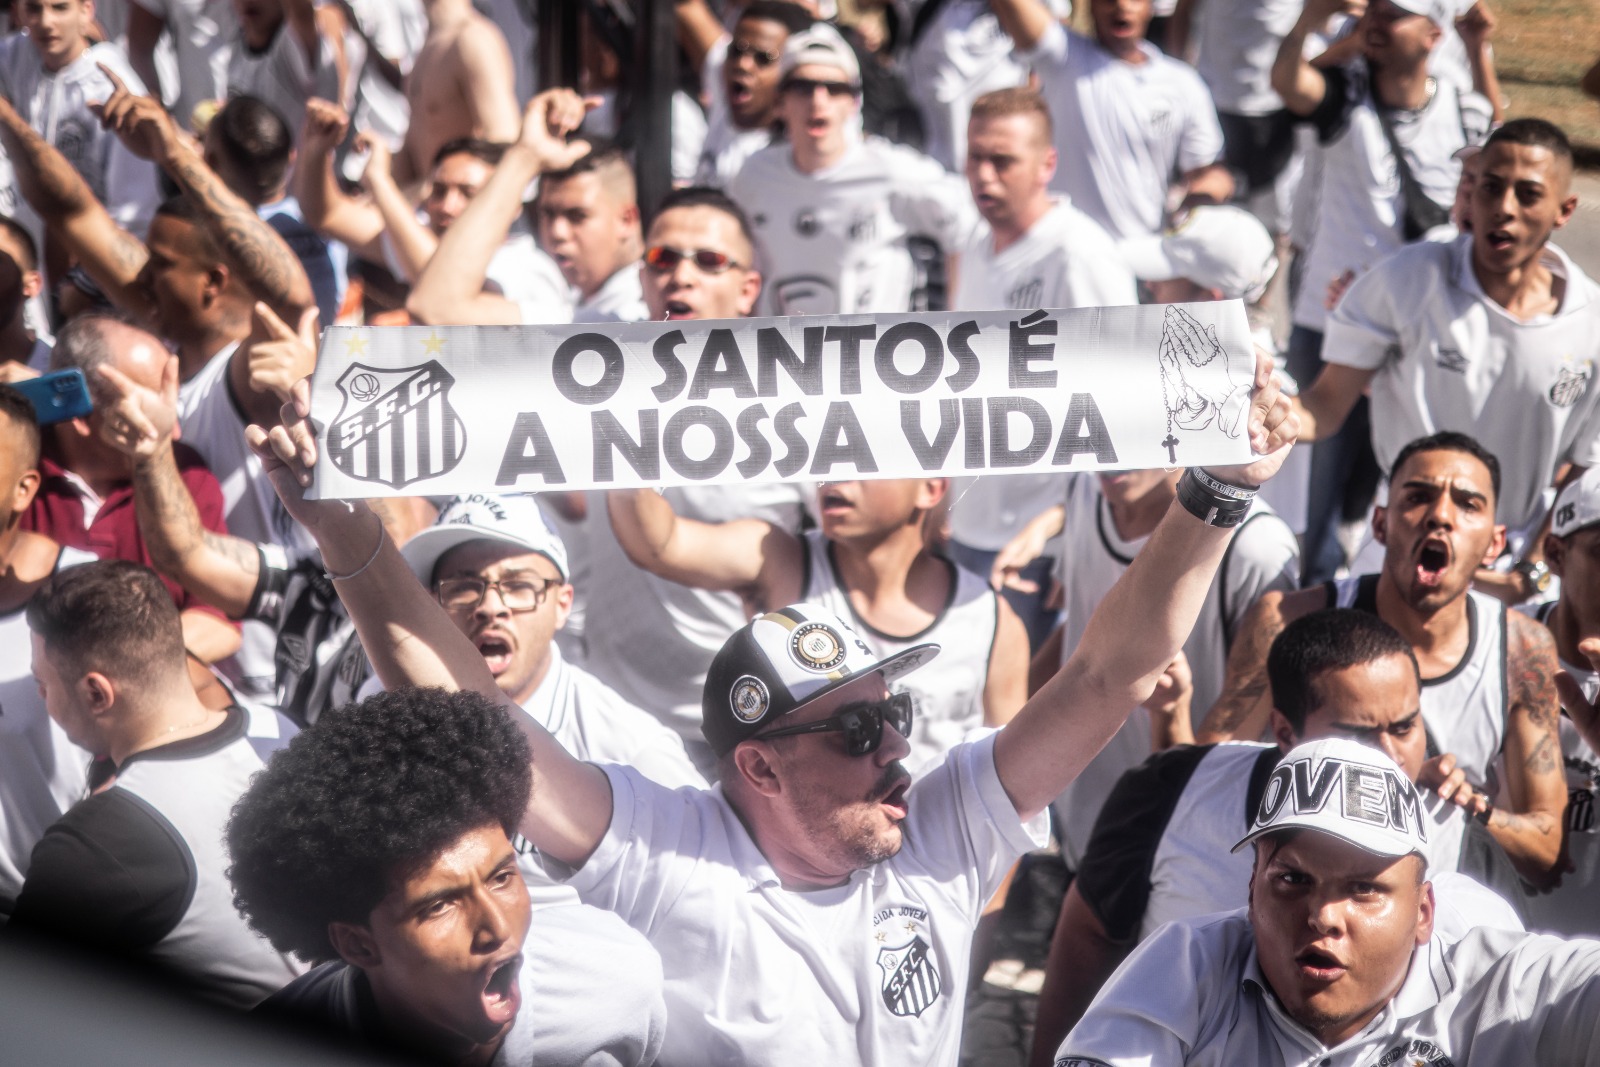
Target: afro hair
<point>373,791</point>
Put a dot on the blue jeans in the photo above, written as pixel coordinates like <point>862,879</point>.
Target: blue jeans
<point>1344,472</point>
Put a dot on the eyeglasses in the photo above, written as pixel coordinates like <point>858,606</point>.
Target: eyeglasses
<point>861,724</point>
<point>762,57</point>
<point>517,594</point>
<point>665,258</point>
<point>809,87</point>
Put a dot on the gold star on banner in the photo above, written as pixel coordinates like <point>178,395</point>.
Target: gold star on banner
<point>911,927</point>
<point>355,345</point>
<point>433,344</point>
<point>880,937</point>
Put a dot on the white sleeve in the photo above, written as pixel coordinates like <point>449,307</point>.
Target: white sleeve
<point>1201,144</point>
<point>1364,329</point>
<point>1539,1002</point>
<point>1049,56</point>
<point>930,201</point>
<point>1096,275</point>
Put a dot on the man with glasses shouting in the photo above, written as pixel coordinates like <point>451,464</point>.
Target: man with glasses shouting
<point>818,906</point>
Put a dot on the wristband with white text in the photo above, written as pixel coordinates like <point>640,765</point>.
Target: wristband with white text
<point>1214,502</point>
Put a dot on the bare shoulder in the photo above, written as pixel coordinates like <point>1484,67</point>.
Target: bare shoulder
<point>1527,639</point>
<point>1277,608</point>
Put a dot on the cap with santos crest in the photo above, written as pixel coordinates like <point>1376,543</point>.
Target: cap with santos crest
<point>783,660</point>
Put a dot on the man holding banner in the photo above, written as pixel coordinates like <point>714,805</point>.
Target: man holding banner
<point>756,885</point>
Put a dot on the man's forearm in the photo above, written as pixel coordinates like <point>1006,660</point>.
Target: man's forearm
<point>1292,77</point>
<point>413,243</point>
<point>1485,79</point>
<point>266,265</point>
<point>457,270</point>
<point>1025,21</point>
<point>216,568</point>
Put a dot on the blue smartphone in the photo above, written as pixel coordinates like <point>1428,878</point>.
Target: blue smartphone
<point>57,396</point>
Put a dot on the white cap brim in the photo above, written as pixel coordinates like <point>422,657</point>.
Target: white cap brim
<point>1147,258</point>
<point>1378,843</point>
<point>428,546</point>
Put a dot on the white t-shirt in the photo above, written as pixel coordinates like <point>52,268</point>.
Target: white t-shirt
<point>1236,44</point>
<point>1123,131</point>
<point>1361,211</point>
<point>834,242</point>
<point>652,640</point>
<point>1066,260</point>
<point>202,34</point>
<point>282,75</point>
<point>619,299</point>
<point>1194,994</point>
<point>872,972</point>
<point>57,106</point>
<point>726,146</point>
<point>42,774</point>
<point>1262,556</point>
<point>1449,358</point>
<point>522,273</point>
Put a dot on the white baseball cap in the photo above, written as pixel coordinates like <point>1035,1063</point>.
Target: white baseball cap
<point>1578,505</point>
<point>1441,13</point>
<point>513,519</point>
<point>820,46</point>
<point>780,661</point>
<point>1215,246</point>
<point>1340,787</point>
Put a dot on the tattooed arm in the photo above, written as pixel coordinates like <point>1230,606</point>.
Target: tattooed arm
<point>1530,828</point>
<point>1241,712</point>
<point>112,256</point>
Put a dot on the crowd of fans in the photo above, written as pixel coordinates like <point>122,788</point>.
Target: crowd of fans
<point>742,774</point>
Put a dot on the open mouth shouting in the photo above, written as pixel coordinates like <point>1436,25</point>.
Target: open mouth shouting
<point>1433,558</point>
<point>831,502</point>
<point>1316,965</point>
<point>501,996</point>
<point>1500,240</point>
<point>495,648</point>
<point>679,309</point>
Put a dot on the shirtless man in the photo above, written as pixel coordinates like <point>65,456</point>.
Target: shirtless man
<point>460,86</point>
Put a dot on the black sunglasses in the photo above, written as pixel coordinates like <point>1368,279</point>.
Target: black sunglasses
<point>762,57</point>
<point>861,724</point>
<point>809,87</point>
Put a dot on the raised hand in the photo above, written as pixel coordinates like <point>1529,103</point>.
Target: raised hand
<point>1273,428</point>
<point>379,160</point>
<point>1441,775</point>
<point>325,128</point>
<point>280,356</point>
<point>546,123</point>
<point>141,122</point>
<point>1477,26</point>
<point>135,420</point>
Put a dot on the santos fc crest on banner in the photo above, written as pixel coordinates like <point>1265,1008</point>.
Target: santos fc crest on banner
<point>911,981</point>
<point>396,426</point>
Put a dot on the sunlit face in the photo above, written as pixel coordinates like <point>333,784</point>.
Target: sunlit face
<point>446,944</point>
<point>686,291</point>
<point>1521,196</point>
<point>58,29</point>
<point>514,644</point>
<point>1438,527</point>
<point>1335,927</point>
<point>750,74</point>
<point>818,103</point>
<point>1377,703</point>
<point>840,812</point>
<point>456,180</point>
<point>258,20</point>
<point>1397,37</point>
<point>585,229</point>
<point>873,509</point>
<point>177,278</point>
<point>1120,24</point>
<point>1009,166</point>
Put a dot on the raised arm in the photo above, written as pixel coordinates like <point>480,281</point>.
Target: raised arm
<point>413,243</point>
<point>264,263</point>
<point>144,32</point>
<point>411,641</point>
<point>699,29</point>
<point>54,188</point>
<point>1530,831</point>
<point>1136,631</point>
<point>324,204</point>
<point>300,16</point>
<point>1025,21</point>
<point>488,80</point>
<point>1294,78</point>
<point>1241,712</point>
<point>219,569</point>
<point>1328,402</point>
<point>450,289</point>
<point>1476,27</point>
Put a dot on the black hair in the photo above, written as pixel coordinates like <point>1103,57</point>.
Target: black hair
<point>705,196</point>
<point>490,152</point>
<point>369,795</point>
<point>19,409</point>
<point>30,247</point>
<point>1452,441</point>
<point>790,16</point>
<point>182,208</point>
<point>113,616</point>
<point>1534,133</point>
<point>257,142</point>
<point>1323,641</point>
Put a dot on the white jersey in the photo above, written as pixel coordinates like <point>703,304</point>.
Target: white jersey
<point>834,242</point>
<point>282,75</point>
<point>42,774</point>
<point>590,986</point>
<point>1262,556</point>
<point>202,34</point>
<point>620,298</point>
<point>1123,131</point>
<point>726,147</point>
<point>1236,42</point>
<point>1465,708</point>
<point>522,273</point>
<point>1449,358</point>
<point>1194,994</point>
<point>947,693</point>
<point>872,972</point>
<point>214,427</point>
<point>396,30</point>
<point>652,640</point>
<point>56,105</point>
<point>1361,212</point>
<point>1065,260</point>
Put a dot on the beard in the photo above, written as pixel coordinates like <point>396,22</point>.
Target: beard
<point>853,833</point>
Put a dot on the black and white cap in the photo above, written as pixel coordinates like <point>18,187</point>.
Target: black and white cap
<point>783,660</point>
<point>1578,505</point>
<point>1340,787</point>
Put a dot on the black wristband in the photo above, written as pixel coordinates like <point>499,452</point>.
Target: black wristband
<point>1213,502</point>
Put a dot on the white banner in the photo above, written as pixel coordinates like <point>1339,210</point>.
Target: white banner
<point>420,411</point>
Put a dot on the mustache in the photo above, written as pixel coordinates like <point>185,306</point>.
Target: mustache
<point>889,780</point>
